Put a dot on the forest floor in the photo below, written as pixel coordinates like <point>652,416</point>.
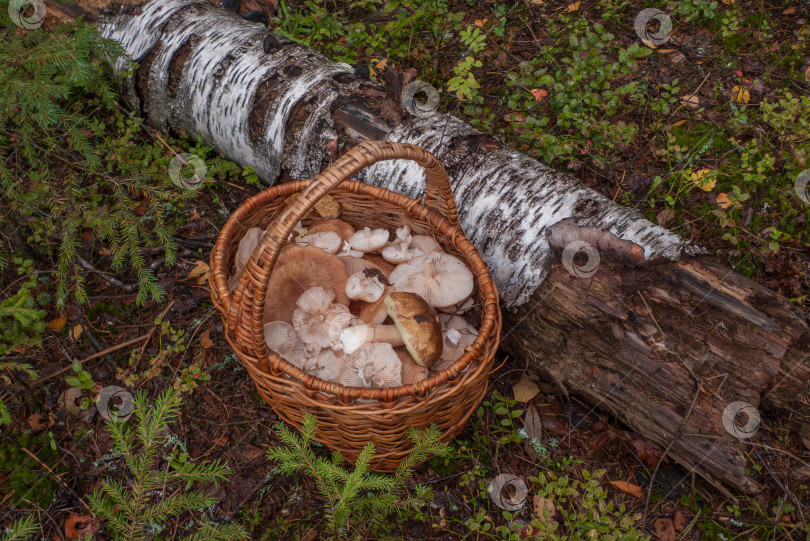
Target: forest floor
<point>706,133</point>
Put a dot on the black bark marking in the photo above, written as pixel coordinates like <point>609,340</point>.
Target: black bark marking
<point>176,65</point>
<point>261,104</point>
<point>292,71</point>
<point>142,77</point>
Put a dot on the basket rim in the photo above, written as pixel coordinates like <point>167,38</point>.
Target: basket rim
<point>490,310</point>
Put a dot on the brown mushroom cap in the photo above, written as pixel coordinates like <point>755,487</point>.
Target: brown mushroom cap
<point>418,324</point>
<point>374,313</point>
<point>298,269</point>
<point>343,229</point>
<point>411,371</point>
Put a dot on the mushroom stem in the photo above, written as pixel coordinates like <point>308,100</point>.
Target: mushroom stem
<point>352,338</point>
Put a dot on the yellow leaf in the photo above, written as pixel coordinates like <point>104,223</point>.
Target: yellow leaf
<point>740,95</point>
<point>381,64</point>
<point>572,7</point>
<point>704,179</point>
<point>517,116</point>
<point>328,207</point>
<point>205,339</point>
<point>628,488</point>
<point>199,272</point>
<point>679,123</point>
<point>723,200</point>
<point>57,324</point>
<point>692,100</point>
<point>525,389</point>
<point>77,331</point>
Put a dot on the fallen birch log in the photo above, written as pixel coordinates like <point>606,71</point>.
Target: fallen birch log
<point>650,329</point>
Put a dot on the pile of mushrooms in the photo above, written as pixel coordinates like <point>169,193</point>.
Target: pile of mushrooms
<point>364,308</point>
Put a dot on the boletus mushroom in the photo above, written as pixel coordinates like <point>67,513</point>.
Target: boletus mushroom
<point>416,326</point>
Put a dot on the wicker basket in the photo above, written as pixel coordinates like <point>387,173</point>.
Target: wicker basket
<point>446,398</point>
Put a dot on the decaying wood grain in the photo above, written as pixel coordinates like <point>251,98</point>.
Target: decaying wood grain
<point>658,326</point>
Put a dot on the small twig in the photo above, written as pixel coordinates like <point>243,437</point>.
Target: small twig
<point>106,276</point>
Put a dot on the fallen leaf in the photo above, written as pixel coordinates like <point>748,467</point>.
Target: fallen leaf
<point>205,339</point>
<point>537,2</point>
<point>691,100</point>
<point>57,324</point>
<point>38,421</point>
<point>328,207</point>
<point>532,423</point>
<point>381,64</point>
<point>665,216</point>
<point>68,400</point>
<point>251,451</point>
<point>77,331</point>
<point>572,7</point>
<point>723,201</point>
<point>789,11</point>
<point>539,94</point>
<point>740,95</point>
<point>199,272</point>
<point>800,473</point>
<point>544,509</point>
<point>648,451</point>
<point>807,74</point>
<point>516,116</point>
<point>677,58</point>
<point>664,529</point>
<point>665,51</point>
<point>80,527</point>
<point>480,23</point>
<point>525,389</point>
<point>729,1</point>
<point>704,179</point>
<point>679,521</point>
<point>222,441</point>
<point>628,488</point>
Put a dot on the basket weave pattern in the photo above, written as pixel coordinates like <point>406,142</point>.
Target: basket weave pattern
<point>446,398</point>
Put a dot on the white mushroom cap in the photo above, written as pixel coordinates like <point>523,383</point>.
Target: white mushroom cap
<point>425,244</point>
<point>369,239</point>
<point>365,285</point>
<point>318,320</point>
<point>404,233</point>
<point>247,245</point>
<point>327,241</point>
<point>329,365</point>
<point>440,278</point>
<point>282,338</point>
<point>458,335</point>
<point>374,364</point>
<point>398,252</point>
<point>347,251</point>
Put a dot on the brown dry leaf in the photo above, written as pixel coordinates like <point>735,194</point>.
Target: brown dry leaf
<point>381,64</point>
<point>729,1</point>
<point>77,331</point>
<point>570,8</point>
<point>723,201</point>
<point>480,23</point>
<point>648,451</point>
<point>38,421</point>
<point>664,529</point>
<point>525,389</point>
<point>57,324</point>
<point>679,521</point>
<point>807,74</point>
<point>328,208</point>
<point>665,216</point>
<point>628,488</point>
<point>222,441</point>
<point>532,423</point>
<point>516,116</point>
<point>537,2</point>
<point>665,51</point>
<point>544,509</point>
<point>80,527</point>
<point>199,272</point>
<point>205,339</point>
<point>740,95</point>
<point>251,451</point>
<point>539,94</point>
<point>789,11</point>
<point>691,100</point>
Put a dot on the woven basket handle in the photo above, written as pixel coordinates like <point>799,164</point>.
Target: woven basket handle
<point>438,195</point>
